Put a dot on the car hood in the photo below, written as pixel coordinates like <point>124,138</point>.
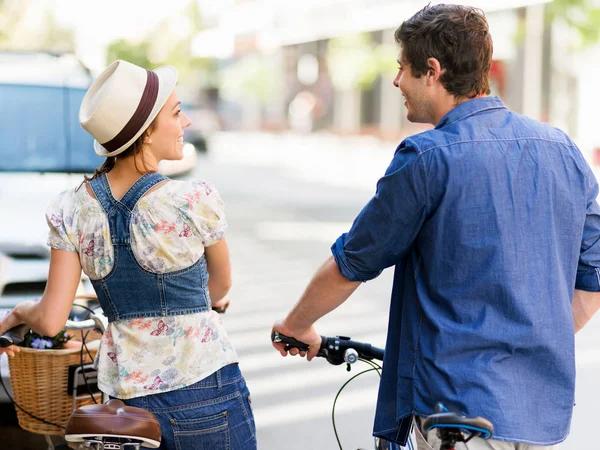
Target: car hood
<point>24,198</point>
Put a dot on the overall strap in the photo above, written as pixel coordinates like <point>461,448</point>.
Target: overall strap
<point>119,211</point>
<point>103,193</point>
<point>139,188</point>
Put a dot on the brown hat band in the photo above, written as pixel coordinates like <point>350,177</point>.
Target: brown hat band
<point>139,116</point>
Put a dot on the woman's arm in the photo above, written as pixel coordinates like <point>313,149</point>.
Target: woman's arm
<point>49,315</point>
<point>219,270</point>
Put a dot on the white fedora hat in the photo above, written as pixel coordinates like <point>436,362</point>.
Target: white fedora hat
<point>122,102</point>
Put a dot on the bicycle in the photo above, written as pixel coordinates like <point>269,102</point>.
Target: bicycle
<point>101,426</point>
<point>451,426</point>
<point>108,425</point>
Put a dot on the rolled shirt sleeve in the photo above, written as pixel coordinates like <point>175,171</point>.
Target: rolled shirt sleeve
<point>588,269</point>
<point>384,231</point>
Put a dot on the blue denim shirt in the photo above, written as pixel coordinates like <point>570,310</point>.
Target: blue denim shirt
<point>491,222</point>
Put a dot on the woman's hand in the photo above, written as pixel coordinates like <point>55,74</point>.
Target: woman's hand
<point>221,306</point>
<point>11,320</point>
<point>10,351</point>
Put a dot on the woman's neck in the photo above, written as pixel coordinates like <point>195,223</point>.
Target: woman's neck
<point>132,167</point>
<point>125,173</point>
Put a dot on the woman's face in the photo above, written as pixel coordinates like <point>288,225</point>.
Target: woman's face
<point>165,139</point>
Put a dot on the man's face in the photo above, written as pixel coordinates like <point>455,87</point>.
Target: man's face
<point>415,93</point>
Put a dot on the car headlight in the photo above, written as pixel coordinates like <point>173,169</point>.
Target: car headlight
<point>188,149</point>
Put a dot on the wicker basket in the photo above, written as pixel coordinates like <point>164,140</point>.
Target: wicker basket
<point>39,381</point>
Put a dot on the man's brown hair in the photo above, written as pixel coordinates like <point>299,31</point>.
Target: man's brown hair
<point>458,37</point>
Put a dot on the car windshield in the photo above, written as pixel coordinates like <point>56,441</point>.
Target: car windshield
<point>40,131</point>
<point>39,106</point>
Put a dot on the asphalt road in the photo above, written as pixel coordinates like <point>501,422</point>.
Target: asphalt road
<point>287,199</point>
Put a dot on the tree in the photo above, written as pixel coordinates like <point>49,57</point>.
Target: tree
<point>15,34</point>
<point>252,76</point>
<point>168,43</point>
<point>355,61</point>
<point>579,15</point>
<point>11,13</point>
<point>136,53</point>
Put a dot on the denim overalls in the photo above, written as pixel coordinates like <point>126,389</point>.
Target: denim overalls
<point>213,413</point>
<point>131,291</point>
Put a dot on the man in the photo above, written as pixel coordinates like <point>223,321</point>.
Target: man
<point>491,222</point>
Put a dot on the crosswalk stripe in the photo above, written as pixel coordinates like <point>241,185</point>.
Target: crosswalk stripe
<point>301,410</point>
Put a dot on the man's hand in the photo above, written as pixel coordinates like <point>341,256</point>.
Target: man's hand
<point>308,336</point>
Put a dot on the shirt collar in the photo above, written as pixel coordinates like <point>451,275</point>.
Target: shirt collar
<point>469,108</point>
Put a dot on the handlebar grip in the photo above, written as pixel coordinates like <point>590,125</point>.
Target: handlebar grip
<point>14,336</point>
<point>291,342</point>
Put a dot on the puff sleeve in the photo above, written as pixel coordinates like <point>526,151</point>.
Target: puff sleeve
<point>207,212</point>
<point>60,220</point>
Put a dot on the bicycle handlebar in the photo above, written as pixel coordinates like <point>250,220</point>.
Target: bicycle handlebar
<point>450,424</point>
<point>16,335</point>
<point>337,349</point>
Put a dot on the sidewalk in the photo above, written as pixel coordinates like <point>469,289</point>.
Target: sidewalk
<point>345,161</point>
<point>354,161</point>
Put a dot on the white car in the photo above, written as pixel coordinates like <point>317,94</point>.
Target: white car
<point>182,166</point>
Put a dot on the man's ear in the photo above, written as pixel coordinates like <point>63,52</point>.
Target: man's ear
<point>434,72</point>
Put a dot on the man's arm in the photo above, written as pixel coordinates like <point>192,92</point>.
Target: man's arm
<point>586,298</point>
<point>326,291</point>
<point>585,305</point>
<point>382,233</point>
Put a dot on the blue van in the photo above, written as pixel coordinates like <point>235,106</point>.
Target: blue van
<point>40,94</point>
<point>43,151</point>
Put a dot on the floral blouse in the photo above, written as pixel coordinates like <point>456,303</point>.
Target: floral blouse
<point>132,360</point>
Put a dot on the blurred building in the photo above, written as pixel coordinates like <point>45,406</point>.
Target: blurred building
<point>315,91</point>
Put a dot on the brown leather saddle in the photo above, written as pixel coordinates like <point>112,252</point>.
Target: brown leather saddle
<point>113,419</point>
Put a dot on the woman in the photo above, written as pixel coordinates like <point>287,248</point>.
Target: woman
<point>155,252</point>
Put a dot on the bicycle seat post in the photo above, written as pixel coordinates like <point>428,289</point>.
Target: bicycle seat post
<point>449,438</point>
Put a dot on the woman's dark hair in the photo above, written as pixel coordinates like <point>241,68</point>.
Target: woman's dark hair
<point>134,150</point>
<point>458,37</point>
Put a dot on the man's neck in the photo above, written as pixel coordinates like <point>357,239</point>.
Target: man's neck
<point>449,103</point>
